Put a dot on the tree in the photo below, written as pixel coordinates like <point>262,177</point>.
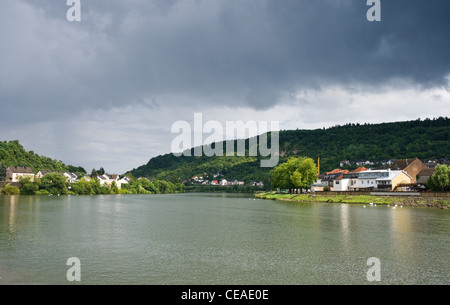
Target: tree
<point>114,188</point>
<point>80,171</point>
<point>440,180</point>
<point>83,187</point>
<point>28,187</point>
<point>295,173</point>
<point>54,183</point>
<point>2,171</point>
<point>9,190</point>
<point>148,186</point>
<point>101,171</point>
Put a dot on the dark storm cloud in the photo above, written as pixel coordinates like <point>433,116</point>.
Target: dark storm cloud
<point>246,52</point>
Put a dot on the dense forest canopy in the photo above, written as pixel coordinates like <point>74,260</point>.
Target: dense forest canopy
<point>424,139</point>
<point>14,154</point>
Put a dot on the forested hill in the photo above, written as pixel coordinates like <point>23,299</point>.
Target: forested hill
<point>425,139</point>
<point>14,154</point>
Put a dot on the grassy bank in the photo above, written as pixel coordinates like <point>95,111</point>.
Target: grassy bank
<point>359,199</point>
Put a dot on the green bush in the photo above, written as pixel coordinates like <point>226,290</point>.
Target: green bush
<point>28,187</point>
<point>440,180</point>
<point>42,192</point>
<point>10,190</point>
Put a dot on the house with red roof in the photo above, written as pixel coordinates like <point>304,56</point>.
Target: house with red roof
<point>343,180</point>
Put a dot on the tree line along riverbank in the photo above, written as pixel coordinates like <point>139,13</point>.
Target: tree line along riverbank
<point>57,184</point>
<point>417,201</point>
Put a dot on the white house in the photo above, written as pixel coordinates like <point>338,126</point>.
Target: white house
<point>344,163</point>
<point>104,180</point>
<point>108,180</point>
<point>41,174</point>
<point>394,179</point>
<point>343,182</point>
<point>124,180</point>
<point>15,173</point>
<point>380,179</point>
<point>367,179</point>
<point>70,177</point>
<point>346,182</point>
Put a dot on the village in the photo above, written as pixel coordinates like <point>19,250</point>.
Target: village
<point>387,175</point>
<point>218,181</point>
<point>14,174</point>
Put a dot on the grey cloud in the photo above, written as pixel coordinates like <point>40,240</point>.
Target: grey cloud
<point>248,52</point>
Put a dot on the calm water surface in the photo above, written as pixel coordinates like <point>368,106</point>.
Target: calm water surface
<point>217,239</point>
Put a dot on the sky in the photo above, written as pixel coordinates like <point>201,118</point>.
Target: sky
<point>105,91</point>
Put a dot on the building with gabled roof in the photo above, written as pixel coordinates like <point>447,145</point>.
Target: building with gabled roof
<point>346,181</point>
<point>15,173</point>
<point>384,179</point>
<point>40,174</point>
<point>424,175</point>
<point>70,177</point>
<point>411,166</point>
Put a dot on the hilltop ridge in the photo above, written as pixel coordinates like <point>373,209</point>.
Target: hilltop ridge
<point>424,139</point>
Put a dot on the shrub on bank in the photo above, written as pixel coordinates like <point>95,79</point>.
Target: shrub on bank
<point>56,184</point>
<point>9,190</point>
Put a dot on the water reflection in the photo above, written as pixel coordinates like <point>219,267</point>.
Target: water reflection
<point>345,224</point>
<point>12,216</point>
<point>402,227</point>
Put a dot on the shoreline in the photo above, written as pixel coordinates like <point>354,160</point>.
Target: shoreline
<point>431,202</point>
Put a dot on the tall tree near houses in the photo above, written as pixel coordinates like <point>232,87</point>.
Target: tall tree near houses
<point>295,173</point>
<point>101,171</point>
<point>94,173</point>
<point>440,180</point>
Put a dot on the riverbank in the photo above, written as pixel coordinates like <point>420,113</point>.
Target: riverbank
<point>435,202</point>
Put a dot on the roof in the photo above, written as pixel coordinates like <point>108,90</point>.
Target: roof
<point>401,164</point>
<point>359,169</point>
<point>20,170</point>
<point>392,175</point>
<point>71,175</point>
<point>427,172</point>
<point>338,171</point>
<point>351,175</point>
<point>47,172</point>
<point>332,177</point>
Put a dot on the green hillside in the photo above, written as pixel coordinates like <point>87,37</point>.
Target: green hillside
<point>425,139</point>
<point>14,154</point>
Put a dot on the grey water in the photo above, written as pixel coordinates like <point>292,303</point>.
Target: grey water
<point>215,239</point>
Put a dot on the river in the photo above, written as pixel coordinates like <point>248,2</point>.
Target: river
<point>214,239</point>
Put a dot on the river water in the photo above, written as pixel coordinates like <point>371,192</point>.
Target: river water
<point>212,239</point>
